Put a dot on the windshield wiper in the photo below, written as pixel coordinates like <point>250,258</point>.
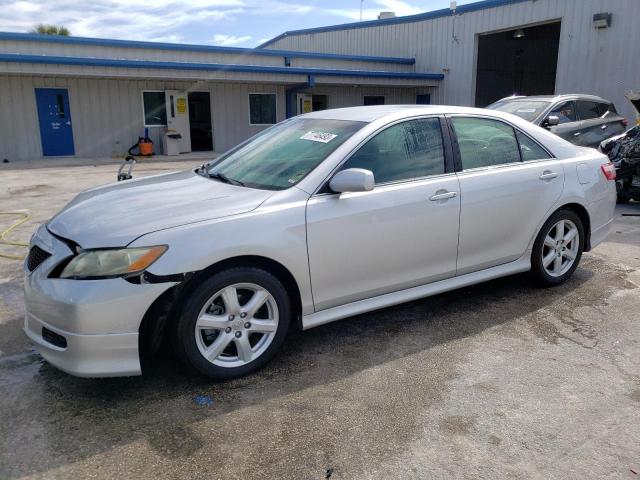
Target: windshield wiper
<point>223,178</point>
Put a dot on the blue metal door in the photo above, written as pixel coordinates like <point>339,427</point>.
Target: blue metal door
<point>56,131</point>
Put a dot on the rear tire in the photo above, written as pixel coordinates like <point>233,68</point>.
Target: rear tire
<point>233,323</point>
<point>558,248</point>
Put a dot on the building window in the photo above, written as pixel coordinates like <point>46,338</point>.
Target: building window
<point>423,99</point>
<point>262,108</point>
<point>154,109</point>
<point>373,100</point>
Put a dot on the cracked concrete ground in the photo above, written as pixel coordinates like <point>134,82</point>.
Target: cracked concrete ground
<point>499,380</point>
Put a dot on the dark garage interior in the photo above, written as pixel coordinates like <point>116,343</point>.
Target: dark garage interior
<point>522,61</point>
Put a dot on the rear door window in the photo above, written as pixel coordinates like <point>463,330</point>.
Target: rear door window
<point>404,151</point>
<point>566,112</point>
<point>529,149</point>
<point>588,110</point>
<point>484,142</point>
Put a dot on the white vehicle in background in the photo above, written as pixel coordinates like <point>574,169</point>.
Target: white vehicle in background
<point>321,217</point>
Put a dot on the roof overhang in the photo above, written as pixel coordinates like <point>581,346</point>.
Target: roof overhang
<point>105,67</point>
<point>182,47</point>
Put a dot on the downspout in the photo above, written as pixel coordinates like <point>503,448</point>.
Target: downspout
<point>290,94</point>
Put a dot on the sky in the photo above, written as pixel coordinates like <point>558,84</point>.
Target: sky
<point>241,23</point>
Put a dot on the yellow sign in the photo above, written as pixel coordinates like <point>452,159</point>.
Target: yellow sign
<point>306,106</point>
<point>181,105</point>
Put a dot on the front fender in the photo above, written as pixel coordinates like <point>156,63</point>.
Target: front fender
<point>276,230</point>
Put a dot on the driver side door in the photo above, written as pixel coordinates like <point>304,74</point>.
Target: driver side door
<point>401,234</point>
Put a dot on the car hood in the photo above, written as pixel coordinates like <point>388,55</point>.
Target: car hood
<point>116,214</point>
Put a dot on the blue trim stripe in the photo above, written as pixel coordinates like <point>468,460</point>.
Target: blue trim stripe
<point>110,62</point>
<point>444,12</point>
<point>31,37</point>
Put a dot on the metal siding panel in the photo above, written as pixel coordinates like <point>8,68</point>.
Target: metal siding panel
<point>589,61</point>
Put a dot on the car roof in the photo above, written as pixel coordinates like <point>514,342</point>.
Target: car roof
<point>555,98</point>
<point>371,113</point>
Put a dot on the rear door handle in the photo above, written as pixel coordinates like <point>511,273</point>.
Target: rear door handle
<point>577,134</point>
<point>443,196</point>
<point>604,126</point>
<point>548,175</point>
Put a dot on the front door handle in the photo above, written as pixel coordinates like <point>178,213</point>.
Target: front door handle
<point>442,195</point>
<point>577,134</point>
<point>604,126</point>
<point>548,175</point>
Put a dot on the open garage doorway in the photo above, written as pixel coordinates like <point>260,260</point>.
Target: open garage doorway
<point>522,61</point>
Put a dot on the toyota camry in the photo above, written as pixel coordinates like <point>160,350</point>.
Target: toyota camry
<point>318,218</point>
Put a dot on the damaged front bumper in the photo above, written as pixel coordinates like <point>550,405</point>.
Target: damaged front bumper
<point>88,328</point>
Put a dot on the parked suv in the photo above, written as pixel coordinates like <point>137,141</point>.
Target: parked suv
<point>584,120</point>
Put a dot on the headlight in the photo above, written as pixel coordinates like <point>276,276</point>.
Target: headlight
<point>94,264</point>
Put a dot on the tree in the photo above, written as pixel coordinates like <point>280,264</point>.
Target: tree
<point>44,29</point>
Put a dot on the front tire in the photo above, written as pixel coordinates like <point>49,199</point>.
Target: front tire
<point>234,322</point>
<point>558,248</point>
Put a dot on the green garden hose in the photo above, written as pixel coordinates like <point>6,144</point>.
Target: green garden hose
<point>25,215</point>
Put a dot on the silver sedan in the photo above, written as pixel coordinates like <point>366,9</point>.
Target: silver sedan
<point>318,218</point>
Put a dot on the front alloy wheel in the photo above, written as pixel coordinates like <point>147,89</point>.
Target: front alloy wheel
<point>237,324</point>
<point>234,322</point>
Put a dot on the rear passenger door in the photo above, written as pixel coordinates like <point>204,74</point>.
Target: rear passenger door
<point>508,183</point>
<point>595,125</point>
<point>593,128</point>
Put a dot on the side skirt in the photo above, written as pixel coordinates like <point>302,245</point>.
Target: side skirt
<point>523,264</point>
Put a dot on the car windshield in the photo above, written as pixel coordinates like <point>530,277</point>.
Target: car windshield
<point>284,154</point>
<point>527,109</point>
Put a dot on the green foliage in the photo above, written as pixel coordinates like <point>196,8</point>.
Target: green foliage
<point>44,29</point>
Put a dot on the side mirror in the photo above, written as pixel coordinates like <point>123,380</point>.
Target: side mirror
<point>552,121</point>
<point>352,180</point>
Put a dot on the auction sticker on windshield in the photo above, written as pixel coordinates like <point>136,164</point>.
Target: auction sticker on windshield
<point>321,137</point>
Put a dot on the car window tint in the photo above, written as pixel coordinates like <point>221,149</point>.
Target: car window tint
<point>565,112</point>
<point>603,108</point>
<point>407,150</point>
<point>485,142</point>
<point>529,149</point>
<point>588,110</point>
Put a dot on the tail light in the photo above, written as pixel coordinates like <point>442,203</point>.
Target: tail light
<point>609,170</point>
<point>625,122</point>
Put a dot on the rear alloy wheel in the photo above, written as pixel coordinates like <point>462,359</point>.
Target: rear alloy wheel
<point>558,248</point>
<point>239,327</point>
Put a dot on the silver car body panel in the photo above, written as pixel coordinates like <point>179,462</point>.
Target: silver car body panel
<point>359,251</point>
<point>114,215</point>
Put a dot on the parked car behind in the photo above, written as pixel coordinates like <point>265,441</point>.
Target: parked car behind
<point>584,120</point>
<point>318,218</point>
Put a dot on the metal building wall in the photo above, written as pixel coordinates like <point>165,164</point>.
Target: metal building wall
<point>107,113</point>
<point>602,62</point>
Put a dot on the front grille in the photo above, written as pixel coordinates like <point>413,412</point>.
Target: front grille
<point>36,257</point>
